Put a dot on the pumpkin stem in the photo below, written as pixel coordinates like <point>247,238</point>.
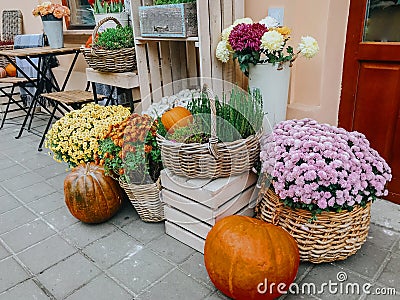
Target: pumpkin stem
<point>87,168</point>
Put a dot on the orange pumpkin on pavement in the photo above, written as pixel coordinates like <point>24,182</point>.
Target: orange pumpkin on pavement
<point>90,195</point>
<point>247,258</point>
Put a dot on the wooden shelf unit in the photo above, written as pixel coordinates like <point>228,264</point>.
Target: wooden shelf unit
<point>162,62</point>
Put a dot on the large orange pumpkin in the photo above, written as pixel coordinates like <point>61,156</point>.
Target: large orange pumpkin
<point>177,116</point>
<point>247,258</point>
<point>91,196</point>
<point>11,70</point>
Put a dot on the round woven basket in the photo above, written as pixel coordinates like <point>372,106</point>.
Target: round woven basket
<point>333,236</point>
<point>145,199</point>
<point>211,160</point>
<point>115,61</point>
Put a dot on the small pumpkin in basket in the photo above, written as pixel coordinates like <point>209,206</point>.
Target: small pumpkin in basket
<point>247,258</point>
<point>90,195</point>
<point>177,116</point>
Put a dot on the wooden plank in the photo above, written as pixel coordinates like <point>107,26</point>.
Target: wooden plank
<point>154,70</point>
<point>183,58</point>
<point>228,73</point>
<point>204,41</point>
<point>184,236</point>
<point>176,66</point>
<point>166,72</point>
<point>143,72</point>
<point>238,12</point>
<point>215,33</point>
<point>187,222</point>
<point>191,62</point>
<point>207,214</point>
<point>126,80</point>
<point>210,193</point>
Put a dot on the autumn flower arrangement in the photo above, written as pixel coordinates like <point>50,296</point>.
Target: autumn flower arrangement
<point>129,150</point>
<point>262,42</point>
<point>74,137</point>
<point>319,167</point>
<point>51,11</point>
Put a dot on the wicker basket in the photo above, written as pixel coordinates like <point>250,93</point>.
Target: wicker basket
<point>145,199</point>
<point>212,160</point>
<point>333,236</point>
<point>115,61</point>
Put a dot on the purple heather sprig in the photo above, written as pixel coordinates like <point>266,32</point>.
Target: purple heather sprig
<point>322,167</point>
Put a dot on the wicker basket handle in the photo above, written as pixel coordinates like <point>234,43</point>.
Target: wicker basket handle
<point>213,140</point>
<point>102,21</point>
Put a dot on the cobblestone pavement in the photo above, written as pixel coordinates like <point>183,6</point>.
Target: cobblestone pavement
<point>45,253</point>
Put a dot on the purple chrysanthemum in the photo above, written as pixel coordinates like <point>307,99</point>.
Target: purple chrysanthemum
<point>247,36</point>
<point>322,164</point>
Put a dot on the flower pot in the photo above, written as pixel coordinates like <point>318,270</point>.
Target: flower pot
<point>333,236</point>
<point>145,198</point>
<point>274,88</point>
<point>54,32</point>
<point>122,17</point>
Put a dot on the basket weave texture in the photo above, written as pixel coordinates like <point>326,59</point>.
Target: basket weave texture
<point>115,61</point>
<point>145,198</point>
<point>212,160</point>
<point>3,60</point>
<point>333,236</point>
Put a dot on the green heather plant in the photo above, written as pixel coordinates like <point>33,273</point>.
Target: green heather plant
<point>239,115</point>
<point>103,7</point>
<point>115,38</point>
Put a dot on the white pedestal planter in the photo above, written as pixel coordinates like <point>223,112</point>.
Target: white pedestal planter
<point>122,17</point>
<point>54,33</point>
<point>274,88</point>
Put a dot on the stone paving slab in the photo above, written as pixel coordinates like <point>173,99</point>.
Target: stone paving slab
<point>45,253</point>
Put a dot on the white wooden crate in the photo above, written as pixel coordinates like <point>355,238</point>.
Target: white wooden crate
<point>191,231</point>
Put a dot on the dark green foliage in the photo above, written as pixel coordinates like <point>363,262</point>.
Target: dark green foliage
<point>115,38</point>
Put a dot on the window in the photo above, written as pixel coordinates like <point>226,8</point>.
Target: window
<point>81,14</point>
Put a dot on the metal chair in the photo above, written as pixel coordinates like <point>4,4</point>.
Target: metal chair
<point>11,26</point>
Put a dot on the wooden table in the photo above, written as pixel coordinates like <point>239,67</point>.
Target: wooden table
<point>43,67</point>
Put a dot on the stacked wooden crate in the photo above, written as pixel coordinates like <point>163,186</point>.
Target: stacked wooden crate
<point>193,206</point>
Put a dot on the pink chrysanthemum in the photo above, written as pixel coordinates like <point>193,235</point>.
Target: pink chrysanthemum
<point>247,36</point>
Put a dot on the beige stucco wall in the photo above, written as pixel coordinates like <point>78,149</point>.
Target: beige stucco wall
<point>316,83</point>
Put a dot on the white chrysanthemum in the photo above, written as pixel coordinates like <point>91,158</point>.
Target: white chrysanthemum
<point>243,21</point>
<point>272,41</point>
<point>269,22</point>
<point>308,46</point>
<point>222,52</point>
<point>226,32</point>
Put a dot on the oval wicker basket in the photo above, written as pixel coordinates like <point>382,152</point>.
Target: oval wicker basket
<point>115,61</point>
<point>212,160</point>
<point>145,198</point>
<point>333,236</point>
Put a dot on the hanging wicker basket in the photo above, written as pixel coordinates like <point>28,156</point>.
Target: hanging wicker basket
<point>115,61</point>
<point>333,236</point>
<point>212,160</point>
<point>145,199</point>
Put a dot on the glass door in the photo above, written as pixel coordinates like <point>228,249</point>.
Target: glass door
<point>382,21</point>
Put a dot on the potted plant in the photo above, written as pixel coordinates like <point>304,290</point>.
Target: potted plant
<point>218,138</point>
<point>112,50</point>
<point>74,140</point>
<point>264,55</point>
<point>52,16</point>
<point>323,179</point>
<point>169,18</point>
<point>129,151</point>
<point>109,8</point>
